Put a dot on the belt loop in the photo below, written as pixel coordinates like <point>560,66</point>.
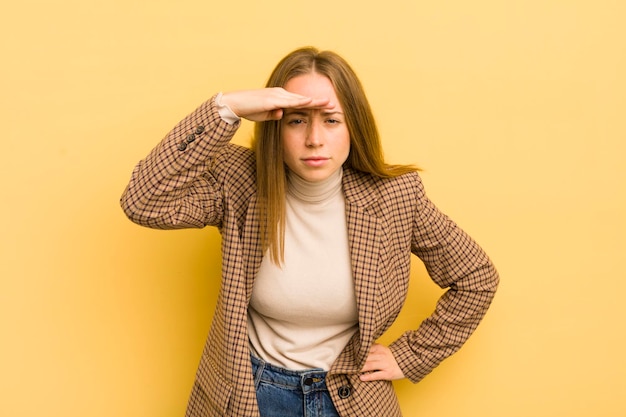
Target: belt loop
<point>259,364</point>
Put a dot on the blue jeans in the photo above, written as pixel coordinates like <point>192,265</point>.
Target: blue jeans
<point>285,393</point>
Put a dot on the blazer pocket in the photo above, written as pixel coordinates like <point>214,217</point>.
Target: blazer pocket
<point>217,390</point>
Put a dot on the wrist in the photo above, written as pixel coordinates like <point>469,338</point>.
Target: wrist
<point>226,112</point>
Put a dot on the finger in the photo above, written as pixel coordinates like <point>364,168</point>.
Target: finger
<point>318,103</point>
<point>380,365</point>
<point>373,376</point>
<point>275,114</point>
<point>311,104</point>
<point>284,99</point>
<point>373,364</point>
<point>293,100</point>
<point>387,374</point>
<point>375,355</point>
<point>378,348</point>
<point>379,375</point>
<point>370,367</point>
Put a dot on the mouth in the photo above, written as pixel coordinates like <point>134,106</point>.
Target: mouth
<point>315,161</point>
<point>316,158</point>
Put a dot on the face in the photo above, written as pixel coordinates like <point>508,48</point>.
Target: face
<point>316,142</point>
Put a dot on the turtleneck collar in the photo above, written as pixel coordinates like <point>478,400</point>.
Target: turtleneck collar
<point>314,192</point>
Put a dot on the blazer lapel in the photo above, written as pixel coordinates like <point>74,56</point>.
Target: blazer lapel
<point>252,249</point>
<point>365,239</point>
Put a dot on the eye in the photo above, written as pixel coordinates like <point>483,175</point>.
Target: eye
<point>332,121</point>
<point>295,122</point>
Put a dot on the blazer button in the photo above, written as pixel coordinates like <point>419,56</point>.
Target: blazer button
<point>344,391</point>
<point>199,130</point>
<point>182,146</point>
<point>191,138</point>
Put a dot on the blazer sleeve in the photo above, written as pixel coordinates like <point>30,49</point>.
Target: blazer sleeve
<point>174,186</point>
<point>456,262</point>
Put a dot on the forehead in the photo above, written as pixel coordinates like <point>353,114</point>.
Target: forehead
<point>312,85</point>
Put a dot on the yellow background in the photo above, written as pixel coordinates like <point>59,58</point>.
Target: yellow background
<point>515,109</point>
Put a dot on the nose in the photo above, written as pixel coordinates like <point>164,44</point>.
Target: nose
<point>313,135</point>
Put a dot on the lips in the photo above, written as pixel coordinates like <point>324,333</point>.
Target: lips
<point>315,161</point>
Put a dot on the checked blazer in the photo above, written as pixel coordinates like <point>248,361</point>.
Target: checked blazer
<point>195,178</point>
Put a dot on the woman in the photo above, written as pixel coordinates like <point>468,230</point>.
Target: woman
<point>317,234</point>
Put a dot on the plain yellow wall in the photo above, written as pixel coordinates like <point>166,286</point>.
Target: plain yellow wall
<point>515,109</point>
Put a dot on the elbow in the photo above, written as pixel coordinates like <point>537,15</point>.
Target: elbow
<point>489,278</point>
<point>485,279</point>
<point>139,211</point>
<point>492,277</point>
<point>133,211</point>
<point>160,216</point>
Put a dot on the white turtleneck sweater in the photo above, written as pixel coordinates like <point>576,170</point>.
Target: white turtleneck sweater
<point>301,315</point>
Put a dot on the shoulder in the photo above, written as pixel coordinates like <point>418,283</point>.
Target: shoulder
<point>364,188</point>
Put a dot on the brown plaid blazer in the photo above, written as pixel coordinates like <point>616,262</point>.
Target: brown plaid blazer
<point>195,178</point>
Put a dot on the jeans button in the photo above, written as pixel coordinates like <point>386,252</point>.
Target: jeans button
<point>344,391</point>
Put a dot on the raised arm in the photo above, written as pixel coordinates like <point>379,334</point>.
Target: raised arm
<point>174,186</point>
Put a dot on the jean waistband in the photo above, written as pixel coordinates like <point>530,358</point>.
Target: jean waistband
<point>306,379</point>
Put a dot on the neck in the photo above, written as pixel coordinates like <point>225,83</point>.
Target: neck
<point>314,192</point>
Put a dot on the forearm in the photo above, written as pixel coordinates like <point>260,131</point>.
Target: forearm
<point>171,187</point>
<point>459,311</point>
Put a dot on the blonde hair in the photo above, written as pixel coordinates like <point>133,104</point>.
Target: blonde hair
<point>365,155</point>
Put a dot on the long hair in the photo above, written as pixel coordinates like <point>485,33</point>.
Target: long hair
<point>365,155</point>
